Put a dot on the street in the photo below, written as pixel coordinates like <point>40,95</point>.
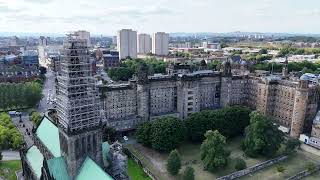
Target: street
<point>48,92</point>
<point>8,155</point>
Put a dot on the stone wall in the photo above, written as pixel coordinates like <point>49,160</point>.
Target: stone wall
<point>253,169</point>
<point>305,173</point>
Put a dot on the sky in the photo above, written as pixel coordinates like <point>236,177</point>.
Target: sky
<point>148,16</point>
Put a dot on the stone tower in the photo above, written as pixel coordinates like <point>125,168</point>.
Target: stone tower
<point>143,92</point>
<point>299,108</point>
<point>78,106</point>
<point>226,84</point>
<point>285,69</point>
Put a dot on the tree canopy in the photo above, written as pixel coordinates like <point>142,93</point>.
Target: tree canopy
<point>262,136</point>
<point>174,162</point>
<point>19,95</point>
<point>229,121</point>
<point>128,67</point>
<point>213,154</point>
<point>9,135</point>
<point>188,173</point>
<point>163,134</point>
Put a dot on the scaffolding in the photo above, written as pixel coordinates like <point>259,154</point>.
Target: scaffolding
<point>77,96</point>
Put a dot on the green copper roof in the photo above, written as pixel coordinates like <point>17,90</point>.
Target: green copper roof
<point>35,159</point>
<point>90,170</point>
<point>58,168</point>
<point>48,133</point>
<point>105,151</point>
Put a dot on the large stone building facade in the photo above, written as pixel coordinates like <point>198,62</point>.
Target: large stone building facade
<point>291,103</point>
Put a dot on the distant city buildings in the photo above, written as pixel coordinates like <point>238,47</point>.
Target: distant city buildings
<point>144,44</point>
<point>110,59</point>
<point>14,41</point>
<point>30,58</point>
<point>44,41</point>
<point>160,44</point>
<point>127,43</point>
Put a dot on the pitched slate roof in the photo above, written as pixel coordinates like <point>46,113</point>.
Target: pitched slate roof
<point>35,160</point>
<point>48,133</point>
<point>58,168</point>
<point>90,170</point>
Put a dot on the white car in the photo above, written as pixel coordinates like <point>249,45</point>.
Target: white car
<point>125,138</point>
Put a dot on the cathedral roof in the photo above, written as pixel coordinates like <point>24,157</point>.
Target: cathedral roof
<point>58,168</point>
<point>48,133</point>
<point>35,160</point>
<point>90,170</point>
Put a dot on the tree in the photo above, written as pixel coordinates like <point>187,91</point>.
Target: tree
<point>188,173</point>
<point>173,163</point>
<point>229,121</point>
<point>36,118</point>
<point>212,151</point>
<point>9,135</point>
<point>240,164</point>
<point>1,156</point>
<point>262,136</point>
<point>143,133</point>
<point>167,133</point>
<point>291,145</point>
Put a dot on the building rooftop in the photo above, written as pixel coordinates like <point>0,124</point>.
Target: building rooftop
<point>35,160</point>
<point>90,170</point>
<point>58,168</point>
<point>48,133</point>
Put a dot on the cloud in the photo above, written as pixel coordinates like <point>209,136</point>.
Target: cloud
<point>38,1</point>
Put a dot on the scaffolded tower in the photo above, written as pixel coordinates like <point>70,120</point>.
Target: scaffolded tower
<point>78,106</point>
<point>77,97</point>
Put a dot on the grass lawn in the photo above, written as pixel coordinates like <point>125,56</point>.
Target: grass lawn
<point>294,164</point>
<point>190,155</point>
<point>8,169</point>
<point>136,172</point>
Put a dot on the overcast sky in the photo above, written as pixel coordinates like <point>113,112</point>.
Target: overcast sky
<point>108,16</point>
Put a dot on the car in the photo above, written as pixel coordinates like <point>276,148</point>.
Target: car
<point>125,138</point>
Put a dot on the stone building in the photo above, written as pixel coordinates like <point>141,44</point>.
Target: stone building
<point>68,145</point>
<point>292,103</point>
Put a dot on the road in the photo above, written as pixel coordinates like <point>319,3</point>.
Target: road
<point>48,92</point>
<point>8,155</point>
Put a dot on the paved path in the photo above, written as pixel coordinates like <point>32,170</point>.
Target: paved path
<point>310,149</point>
<point>8,155</point>
<point>24,127</point>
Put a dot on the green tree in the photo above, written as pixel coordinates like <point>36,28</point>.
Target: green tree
<point>229,121</point>
<point>143,133</point>
<point>240,164</point>
<point>36,118</point>
<point>173,162</point>
<point>188,173</point>
<point>291,145</point>
<point>9,135</point>
<point>167,133</point>
<point>213,154</point>
<point>262,136</point>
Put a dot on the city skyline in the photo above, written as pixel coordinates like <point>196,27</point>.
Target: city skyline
<point>146,16</point>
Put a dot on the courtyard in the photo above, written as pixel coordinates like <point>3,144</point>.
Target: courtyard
<point>190,155</point>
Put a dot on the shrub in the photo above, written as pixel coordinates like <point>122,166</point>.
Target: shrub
<point>188,173</point>
<point>240,164</point>
<point>173,162</point>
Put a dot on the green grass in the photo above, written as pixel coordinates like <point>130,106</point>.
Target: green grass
<point>8,169</point>
<point>190,156</point>
<point>293,165</point>
<point>136,172</point>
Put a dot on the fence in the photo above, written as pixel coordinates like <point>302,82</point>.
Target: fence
<point>138,161</point>
<point>305,173</point>
<point>253,169</point>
